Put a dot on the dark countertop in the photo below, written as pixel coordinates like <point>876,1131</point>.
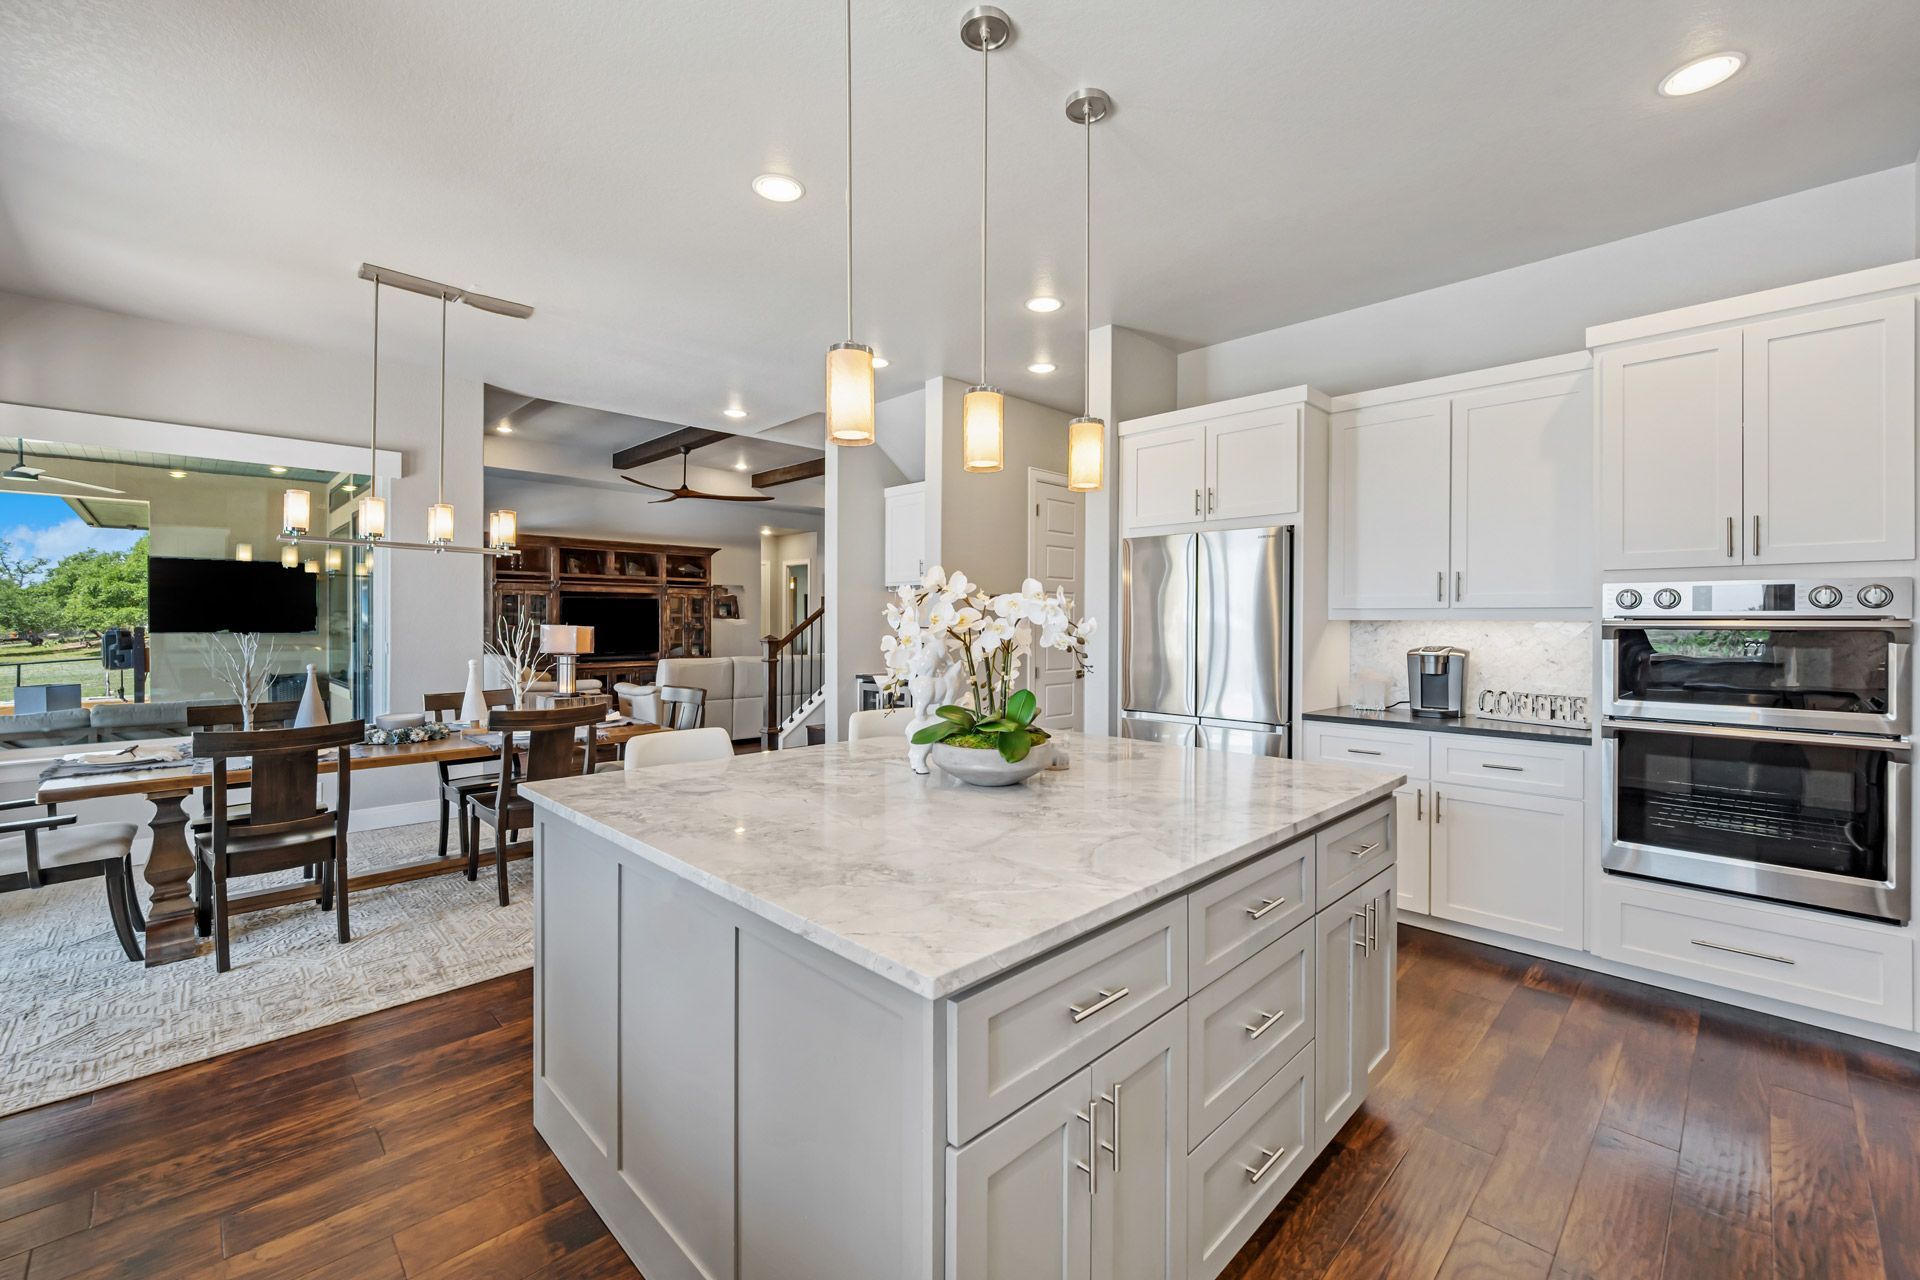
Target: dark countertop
<point>1401,718</point>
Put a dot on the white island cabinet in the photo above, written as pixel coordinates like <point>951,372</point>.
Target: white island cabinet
<point>794,1020</point>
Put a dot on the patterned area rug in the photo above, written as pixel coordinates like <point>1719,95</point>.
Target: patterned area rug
<point>76,1015</point>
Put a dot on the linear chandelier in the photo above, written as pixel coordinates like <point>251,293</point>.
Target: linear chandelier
<point>296,505</point>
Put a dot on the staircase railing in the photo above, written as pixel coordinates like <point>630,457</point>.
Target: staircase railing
<point>796,666</point>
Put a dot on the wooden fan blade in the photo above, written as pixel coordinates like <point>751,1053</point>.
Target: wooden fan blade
<point>79,484</point>
<point>733,497</point>
<point>643,484</point>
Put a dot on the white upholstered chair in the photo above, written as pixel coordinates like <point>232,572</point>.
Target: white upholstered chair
<point>878,724</point>
<point>678,746</point>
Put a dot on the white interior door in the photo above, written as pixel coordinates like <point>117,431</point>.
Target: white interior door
<point>1053,556</point>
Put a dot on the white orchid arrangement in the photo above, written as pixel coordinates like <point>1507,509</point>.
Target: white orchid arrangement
<point>948,632</point>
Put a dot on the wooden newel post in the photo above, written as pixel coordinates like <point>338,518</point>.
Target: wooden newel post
<point>770,706</point>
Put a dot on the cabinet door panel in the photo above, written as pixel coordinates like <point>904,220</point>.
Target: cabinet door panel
<point>1410,846</point>
<point>1253,466</point>
<point>1522,495</point>
<point>906,537</point>
<point>1509,862</point>
<point>1338,971</point>
<point>1374,1026</point>
<point>1017,1200</point>
<point>1670,454</point>
<point>1829,435</point>
<point>1140,1205</point>
<point>1163,477</point>
<point>1387,541</point>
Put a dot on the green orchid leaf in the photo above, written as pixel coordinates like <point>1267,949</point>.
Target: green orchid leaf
<point>999,724</point>
<point>1038,734</point>
<point>1022,707</point>
<point>1014,745</point>
<point>958,715</point>
<point>935,733</point>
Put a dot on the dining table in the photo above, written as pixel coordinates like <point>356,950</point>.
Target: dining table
<point>170,933</point>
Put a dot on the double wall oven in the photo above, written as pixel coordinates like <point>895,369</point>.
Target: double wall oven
<point>1757,739</point>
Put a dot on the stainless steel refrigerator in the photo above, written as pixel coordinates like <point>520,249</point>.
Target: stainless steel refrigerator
<point>1206,642</point>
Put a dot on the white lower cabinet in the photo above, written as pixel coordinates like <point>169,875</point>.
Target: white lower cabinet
<point>1509,861</point>
<point>1237,1176</point>
<point>1353,1002</point>
<point>1017,1202</point>
<point>1138,1108</point>
<point>1412,844</point>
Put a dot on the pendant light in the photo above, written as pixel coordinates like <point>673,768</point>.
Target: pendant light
<point>1087,435</point>
<point>850,363</point>
<point>440,514</point>
<point>373,510</point>
<point>983,410</point>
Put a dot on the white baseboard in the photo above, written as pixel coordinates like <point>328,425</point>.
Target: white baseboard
<point>1666,981</point>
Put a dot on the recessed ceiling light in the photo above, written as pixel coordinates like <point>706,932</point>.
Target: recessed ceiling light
<point>879,362</point>
<point>1702,73</point>
<point>778,187</point>
<point>1044,304</point>
<point>178,475</point>
<point>1040,366</point>
<point>279,471</point>
<point>741,465</point>
<point>765,532</point>
<point>734,412</point>
<point>505,429</point>
<point>348,488</point>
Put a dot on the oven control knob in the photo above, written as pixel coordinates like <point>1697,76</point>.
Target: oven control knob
<point>1667,598</point>
<point>1825,597</point>
<point>1627,599</point>
<point>1875,596</point>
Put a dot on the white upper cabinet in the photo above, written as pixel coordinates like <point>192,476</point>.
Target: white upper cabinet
<point>1829,438</point>
<point>1777,428</point>
<point>1522,495</point>
<point>1389,506</point>
<point>1238,461</point>
<point>1467,494</point>
<point>905,530</point>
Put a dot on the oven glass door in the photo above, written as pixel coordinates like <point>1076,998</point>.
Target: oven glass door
<point>1801,818</point>
<point>1847,679</point>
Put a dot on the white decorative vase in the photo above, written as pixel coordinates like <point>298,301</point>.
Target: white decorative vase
<point>982,767</point>
<point>313,708</point>
<point>473,704</point>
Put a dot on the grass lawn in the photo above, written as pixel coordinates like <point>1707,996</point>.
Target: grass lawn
<point>72,663</point>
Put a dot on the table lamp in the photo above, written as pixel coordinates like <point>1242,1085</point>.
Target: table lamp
<point>565,643</point>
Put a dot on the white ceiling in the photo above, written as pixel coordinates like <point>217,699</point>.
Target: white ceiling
<point>230,162</point>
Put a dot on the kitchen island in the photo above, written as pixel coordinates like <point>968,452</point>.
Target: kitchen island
<point>808,1014</point>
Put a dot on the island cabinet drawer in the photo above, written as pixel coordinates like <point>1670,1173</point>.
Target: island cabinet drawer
<point>1243,1027</point>
<point>1237,1176</point>
<point>1401,750</point>
<point>1012,1041</point>
<point>1353,849</point>
<point>1510,766</point>
<point>1231,918</point>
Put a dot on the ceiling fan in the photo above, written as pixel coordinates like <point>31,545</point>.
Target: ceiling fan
<point>683,491</point>
<point>21,471</point>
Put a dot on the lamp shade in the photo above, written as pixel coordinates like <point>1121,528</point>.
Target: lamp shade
<point>560,638</point>
<point>296,511</point>
<point>440,522</point>
<point>850,393</point>
<point>363,566</point>
<point>503,528</point>
<point>373,516</point>
<point>313,567</point>
<point>243,551</point>
<point>289,557</point>
<point>983,429</point>
<point>1086,454</point>
<point>335,560</point>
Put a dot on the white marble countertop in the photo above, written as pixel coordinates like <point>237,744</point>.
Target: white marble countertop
<point>937,886</point>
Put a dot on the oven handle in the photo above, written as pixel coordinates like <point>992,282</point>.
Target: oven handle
<point>1899,661</point>
<point>1614,626</point>
<point>1863,742</point>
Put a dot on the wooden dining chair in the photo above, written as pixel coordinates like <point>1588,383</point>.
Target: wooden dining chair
<point>549,752</point>
<point>456,787</point>
<point>682,708</point>
<point>285,826</point>
<point>52,850</point>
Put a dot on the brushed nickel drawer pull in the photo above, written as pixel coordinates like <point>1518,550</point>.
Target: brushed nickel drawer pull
<point>1742,951</point>
<point>1081,1012</point>
<point>1258,1029</point>
<point>1273,1158</point>
<point>1361,751</point>
<point>1756,538</point>
<point>1440,586</point>
<point>1092,1166</point>
<point>1730,552</point>
<point>1504,768</point>
<point>1420,805</point>
<point>1361,941</point>
<point>1266,905</point>
<point>1113,1148</point>
<point>1363,850</point>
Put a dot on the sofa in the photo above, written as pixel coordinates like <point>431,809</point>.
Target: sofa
<point>736,691</point>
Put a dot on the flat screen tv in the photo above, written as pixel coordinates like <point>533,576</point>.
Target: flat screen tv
<point>229,595</point>
<point>623,626</point>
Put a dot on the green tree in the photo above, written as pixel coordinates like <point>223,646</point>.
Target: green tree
<point>95,590</point>
<point>24,606</point>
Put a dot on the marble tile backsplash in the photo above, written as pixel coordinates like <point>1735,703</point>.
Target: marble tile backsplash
<point>1523,657</point>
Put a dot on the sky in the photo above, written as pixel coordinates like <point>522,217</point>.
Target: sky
<point>39,526</point>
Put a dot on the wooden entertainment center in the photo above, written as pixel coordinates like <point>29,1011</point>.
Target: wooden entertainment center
<point>547,568</point>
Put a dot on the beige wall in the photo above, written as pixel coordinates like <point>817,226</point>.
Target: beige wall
<point>981,517</point>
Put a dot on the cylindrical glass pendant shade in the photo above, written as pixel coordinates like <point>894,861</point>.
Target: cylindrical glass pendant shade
<point>983,429</point>
<point>289,557</point>
<point>243,551</point>
<point>503,528</point>
<point>440,522</point>
<point>296,511</point>
<point>373,516</point>
<point>850,393</point>
<point>313,567</point>
<point>335,560</point>
<point>1086,454</point>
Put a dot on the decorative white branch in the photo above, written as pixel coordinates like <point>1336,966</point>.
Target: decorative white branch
<point>243,670</point>
<point>516,648</point>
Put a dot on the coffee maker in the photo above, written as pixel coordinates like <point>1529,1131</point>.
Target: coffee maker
<point>1437,681</point>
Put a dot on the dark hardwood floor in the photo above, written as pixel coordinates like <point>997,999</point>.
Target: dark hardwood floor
<point>1535,1121</point>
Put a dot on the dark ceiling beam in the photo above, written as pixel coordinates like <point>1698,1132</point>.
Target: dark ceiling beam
<point>667,446</point>
<point>810,470</point>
